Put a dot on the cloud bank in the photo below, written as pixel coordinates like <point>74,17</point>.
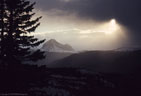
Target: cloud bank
<point>126,12</point>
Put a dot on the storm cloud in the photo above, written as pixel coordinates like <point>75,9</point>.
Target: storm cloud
<point>126,12</point>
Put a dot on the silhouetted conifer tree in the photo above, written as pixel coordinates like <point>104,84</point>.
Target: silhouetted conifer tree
<point>19,25</point>
<point>2,13</point>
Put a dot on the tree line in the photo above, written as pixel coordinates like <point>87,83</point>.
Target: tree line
<point>16,26</point>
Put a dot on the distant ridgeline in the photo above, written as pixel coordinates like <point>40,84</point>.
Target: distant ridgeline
<point>102,61</point>
<point>121,60</point>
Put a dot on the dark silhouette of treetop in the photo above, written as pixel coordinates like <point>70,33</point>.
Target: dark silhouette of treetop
<point>16,26</point>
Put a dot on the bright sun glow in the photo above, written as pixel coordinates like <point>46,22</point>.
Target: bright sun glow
<point>113,21</point>
<point>113,27</point>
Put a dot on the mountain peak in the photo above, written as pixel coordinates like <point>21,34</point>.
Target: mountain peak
<point>52,40</point>
<point>54,46</point>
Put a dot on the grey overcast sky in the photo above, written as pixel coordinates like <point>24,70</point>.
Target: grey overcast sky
<point>84,23</point>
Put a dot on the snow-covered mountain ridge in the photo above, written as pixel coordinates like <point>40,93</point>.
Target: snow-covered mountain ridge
<point>53,46</point>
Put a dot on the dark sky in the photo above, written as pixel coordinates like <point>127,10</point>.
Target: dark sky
<point>126,12</point>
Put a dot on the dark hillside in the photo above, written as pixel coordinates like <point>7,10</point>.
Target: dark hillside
<point>103,61</point>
